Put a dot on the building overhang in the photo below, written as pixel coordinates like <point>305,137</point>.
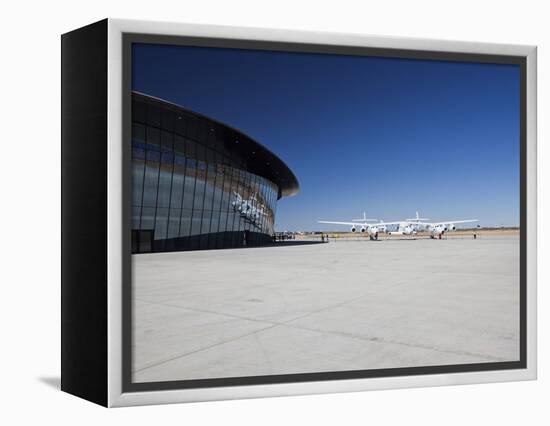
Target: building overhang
<point>257,159</point>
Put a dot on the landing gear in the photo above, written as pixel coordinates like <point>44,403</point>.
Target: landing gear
<point>376,236</point>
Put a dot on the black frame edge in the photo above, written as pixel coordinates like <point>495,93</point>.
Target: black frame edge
<point>84,212</point>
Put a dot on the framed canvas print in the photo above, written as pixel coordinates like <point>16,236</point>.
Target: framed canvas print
<point>251,212</point>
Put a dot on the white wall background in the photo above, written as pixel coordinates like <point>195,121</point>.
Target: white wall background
<point>30,180</point>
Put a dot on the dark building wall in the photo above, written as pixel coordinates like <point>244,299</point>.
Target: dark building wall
<point>192,184</point>
<point>84,212</point>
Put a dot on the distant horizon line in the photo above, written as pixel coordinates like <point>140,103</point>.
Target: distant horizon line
<point>458,229</point>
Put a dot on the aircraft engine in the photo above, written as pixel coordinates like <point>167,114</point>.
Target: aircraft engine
<point>353,229</point>
<point>363,229</point>
<point>452,227</point>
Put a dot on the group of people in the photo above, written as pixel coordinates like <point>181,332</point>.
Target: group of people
<point>324,238</point>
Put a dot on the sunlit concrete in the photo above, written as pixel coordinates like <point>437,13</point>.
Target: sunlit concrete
<point>326,307</point>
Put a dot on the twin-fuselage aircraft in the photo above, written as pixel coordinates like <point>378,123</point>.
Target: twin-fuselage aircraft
<point>409,226</point>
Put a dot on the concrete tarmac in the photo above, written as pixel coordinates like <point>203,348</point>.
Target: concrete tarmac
<point>325,307</point>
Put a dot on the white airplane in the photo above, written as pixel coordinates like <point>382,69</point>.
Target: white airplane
<point>250,208</point>
<point>436,229</point>
<point>373,229</point>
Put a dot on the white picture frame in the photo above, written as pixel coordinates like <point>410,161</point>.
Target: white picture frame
<point>116,394</point>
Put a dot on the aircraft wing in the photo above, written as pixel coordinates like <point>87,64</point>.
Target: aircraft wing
<point>368,225</point>
<point>344,223</point>
<point>445,222</point>
<point>457,221</point>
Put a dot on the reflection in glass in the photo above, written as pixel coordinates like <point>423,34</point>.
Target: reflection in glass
<point>190,190</point>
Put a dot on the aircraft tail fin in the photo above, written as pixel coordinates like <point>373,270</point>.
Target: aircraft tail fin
<point>418,218</point>
<point>364,218</point>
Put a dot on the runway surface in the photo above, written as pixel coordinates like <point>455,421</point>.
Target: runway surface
<point>326,307</point>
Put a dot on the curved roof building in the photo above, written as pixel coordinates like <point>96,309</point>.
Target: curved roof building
<point>198,183</point>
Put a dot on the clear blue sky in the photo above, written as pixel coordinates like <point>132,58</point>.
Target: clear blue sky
<point>389,136</point>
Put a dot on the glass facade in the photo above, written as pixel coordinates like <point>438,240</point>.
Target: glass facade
<point>192,188</point>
